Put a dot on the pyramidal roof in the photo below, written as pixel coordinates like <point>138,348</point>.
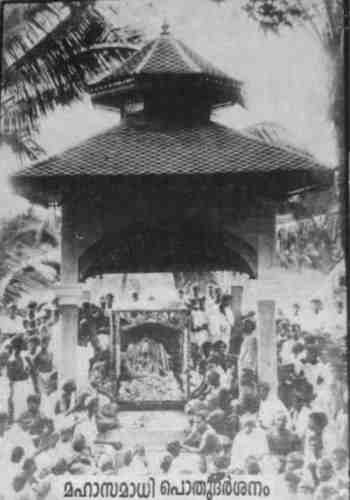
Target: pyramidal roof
<point>165,55</point>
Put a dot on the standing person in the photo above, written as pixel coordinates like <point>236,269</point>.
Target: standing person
<point>45,373</point>
<point>12,324</point>
<point>226,321</point>
<point>299,414</point>
<point>18,372</point>
<point>248,356</point>
<point>270,406</point>
<point>199,325</point>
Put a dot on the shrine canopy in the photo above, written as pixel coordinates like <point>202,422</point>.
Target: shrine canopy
<point>166,94</point>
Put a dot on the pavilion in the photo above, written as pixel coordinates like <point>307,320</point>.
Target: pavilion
<point>168,189</point>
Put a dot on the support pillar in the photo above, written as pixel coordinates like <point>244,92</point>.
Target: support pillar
<point>268,289</point>
<point>69,295</point>
<point>267,345</point>
<point>69,300</point>
<point>236,332</point>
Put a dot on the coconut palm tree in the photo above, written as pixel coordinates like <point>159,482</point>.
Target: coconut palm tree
<point>50,51</point>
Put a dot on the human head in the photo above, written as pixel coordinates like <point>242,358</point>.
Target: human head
<point>248,327</point>
<point>264,390</point>
<point>199,421</point>
<point>339,458</point>
<point>292,480</point>
<point>317,421</point>
<point>17,454</point>
<point>19,482</point>
<point>213,379</point>
<point>247,388</point>
<point>206,348</point>
<point>165,463</point>
<point>79,443</point>
<point>294,461</point>
<point>33,402</point>
<point>109,299</point>
<point>252,465</point>
<point>66,434</point>
<point>69,386</point>
<point>305,488</point>
<point>135,296</point>
<point>316,305</point>
<point>324,469</point>
<point>281,421</point>
<point>339,306</point>
<point>32,343</point>
<point>29,466</point>
<point>248,423</point>
<point>296,308</point>
<point>174,448</point>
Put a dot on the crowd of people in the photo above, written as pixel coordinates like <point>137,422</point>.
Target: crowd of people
<point>313,243</point>
<point>295,432</point>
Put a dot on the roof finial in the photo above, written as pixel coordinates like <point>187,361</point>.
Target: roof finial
<point>165,28</point>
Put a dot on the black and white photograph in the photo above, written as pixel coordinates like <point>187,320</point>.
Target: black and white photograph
<point>173,242</point>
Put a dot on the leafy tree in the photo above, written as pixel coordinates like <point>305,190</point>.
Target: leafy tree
<point>324,20</point>
<point>50,51</point>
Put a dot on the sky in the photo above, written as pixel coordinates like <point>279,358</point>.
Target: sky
<point>285,80</point>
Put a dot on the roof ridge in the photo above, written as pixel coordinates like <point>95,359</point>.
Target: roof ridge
<point>186,57</point>
<point>148,56</point>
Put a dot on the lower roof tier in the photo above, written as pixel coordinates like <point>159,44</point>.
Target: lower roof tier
<point>127,152</point>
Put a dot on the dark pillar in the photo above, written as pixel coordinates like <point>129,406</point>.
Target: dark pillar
<point>236,332</point>
<point>267,345</point>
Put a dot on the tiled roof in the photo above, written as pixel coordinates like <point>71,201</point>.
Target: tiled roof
<point>164,55</point>
<point>205,149</point>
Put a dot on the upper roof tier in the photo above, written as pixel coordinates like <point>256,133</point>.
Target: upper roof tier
<point>166,63</point>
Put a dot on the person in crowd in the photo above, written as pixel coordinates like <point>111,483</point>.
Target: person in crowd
<point>249,349</point>
<point>209,443</point>
<point>250,441</point>
<point>299,414</point>
<point>67,399</point>
<point>270,405</point>
<point>340,463</point>
<point>18,373</point>
<point>45,371</point>
<point>12,323</point>
<point>32,420</point>
<point>280,439</point>
<point>199,324</point>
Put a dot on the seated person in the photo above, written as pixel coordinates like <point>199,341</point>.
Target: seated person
<point>67,398</point>
<point>250,441</point>
<point>209,445</point>
<point>107,418</point>
<point>32,420</point>
<point>281,440</point>
<point>82,461</point>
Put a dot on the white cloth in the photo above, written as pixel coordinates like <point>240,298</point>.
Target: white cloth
<point>245,445</point>
<point>11,326</point>
<point>269,409</point>
<point>248,353</point>
<point>299,420</point>
<point>286,354</point>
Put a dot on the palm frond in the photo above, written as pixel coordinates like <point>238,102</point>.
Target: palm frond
<point>50,52</point>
